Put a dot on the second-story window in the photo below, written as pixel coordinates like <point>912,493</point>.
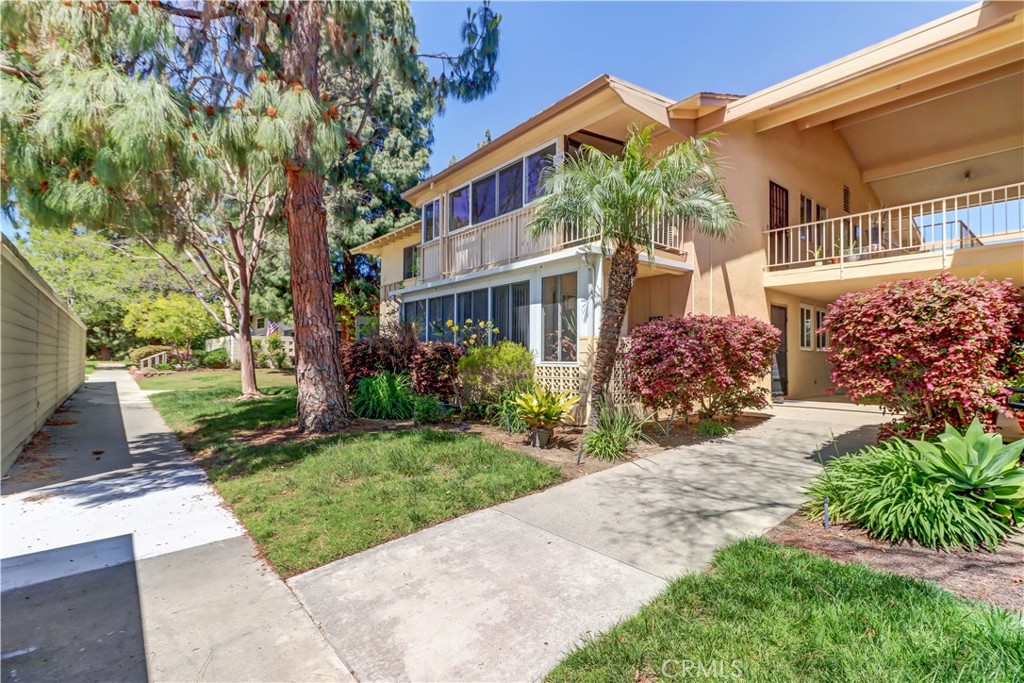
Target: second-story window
<point>432,220</point>
<point>536,165</point>
<point>510,187</point>
<point>458,208</point>
<point>485,198</point>
<point>409,262</point>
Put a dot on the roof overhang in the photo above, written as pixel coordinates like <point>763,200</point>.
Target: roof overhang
<point>374,246</point>
<point>700,104</point>
<point>647,103</point>
<point>983,36</point>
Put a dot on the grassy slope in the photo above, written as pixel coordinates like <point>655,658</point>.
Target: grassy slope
<point>785,615</point>
<point>310,502</point>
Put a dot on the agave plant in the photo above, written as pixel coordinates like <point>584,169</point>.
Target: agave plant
<point>978,464</point>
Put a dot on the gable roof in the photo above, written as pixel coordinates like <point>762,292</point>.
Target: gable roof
<point>374,246</point>
<point>646,102</point>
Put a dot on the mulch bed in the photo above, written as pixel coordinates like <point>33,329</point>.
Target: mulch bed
<point>996,578</point>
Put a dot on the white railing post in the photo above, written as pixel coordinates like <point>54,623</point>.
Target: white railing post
<point>945,257</point>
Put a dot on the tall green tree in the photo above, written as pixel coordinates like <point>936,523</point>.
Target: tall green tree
<point>176,319</point>
<point>102,100</point>
<point>614,199</point>
<point>98,276</point>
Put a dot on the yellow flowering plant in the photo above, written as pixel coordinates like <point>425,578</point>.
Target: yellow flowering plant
<point>472,333</point>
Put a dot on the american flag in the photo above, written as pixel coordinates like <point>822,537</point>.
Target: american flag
<point>272,327</point>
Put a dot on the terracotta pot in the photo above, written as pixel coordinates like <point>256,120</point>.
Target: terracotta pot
<point>540,438</point>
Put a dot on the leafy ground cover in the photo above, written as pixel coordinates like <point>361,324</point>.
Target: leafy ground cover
<point>768,613</point>
<point>310,501</point>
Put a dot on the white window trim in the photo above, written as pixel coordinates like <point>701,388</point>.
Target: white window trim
<point>437,218</point>
<point>810,312</point>
<point>540,291</point>
<point>817,334</point>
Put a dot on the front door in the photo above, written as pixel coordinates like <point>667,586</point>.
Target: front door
<point>780,375</point>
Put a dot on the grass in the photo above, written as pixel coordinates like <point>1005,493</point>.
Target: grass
<point>307,502</point>
<point>220,380</point>
<point>777,614</point>
<point>90,367</point>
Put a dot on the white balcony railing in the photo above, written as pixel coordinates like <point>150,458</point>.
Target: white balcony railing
<point>508,238</point>
<point>941,225</point>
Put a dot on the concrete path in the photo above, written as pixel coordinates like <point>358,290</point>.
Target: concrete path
<point>120,562</point>
<point>502,594</point>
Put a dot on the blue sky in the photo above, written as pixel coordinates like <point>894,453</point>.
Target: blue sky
<point>548,49</point>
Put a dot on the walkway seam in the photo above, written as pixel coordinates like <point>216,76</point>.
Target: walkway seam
<point>319,627</point>
<point>577,543</point>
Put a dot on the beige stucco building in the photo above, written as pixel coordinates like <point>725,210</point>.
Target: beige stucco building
<point>900,160</point>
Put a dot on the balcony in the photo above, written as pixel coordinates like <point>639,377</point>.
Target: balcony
<point>508,239</point>
<point>933,231</point>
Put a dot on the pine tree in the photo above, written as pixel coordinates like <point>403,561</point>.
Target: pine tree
<point>103,102</point>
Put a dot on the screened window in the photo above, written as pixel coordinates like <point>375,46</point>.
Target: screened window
<point>414,314</point>
<point>536,165</point>
<point>819,329</point>
<point>440,310</point>
<point>485,198</point>
<point>558,298</point>
<point>432,220</point>
<point>458,208</point>
<point>472,306</point>
<point>510,312</point>
<point>410,265</point>
<point>510,187</point>
<point>806,328</point>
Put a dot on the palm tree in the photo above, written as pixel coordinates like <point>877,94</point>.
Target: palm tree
<point>614,198</point>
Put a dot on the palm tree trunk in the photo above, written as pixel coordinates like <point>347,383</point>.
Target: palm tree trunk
<point>621,277</point>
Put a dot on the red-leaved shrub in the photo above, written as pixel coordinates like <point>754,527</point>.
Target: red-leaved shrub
<point>435,369</point>
<point>927,348</point>
<point>375,354</point>
<point>703,363</point>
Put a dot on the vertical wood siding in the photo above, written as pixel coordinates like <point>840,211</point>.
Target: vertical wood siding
<point>42,352</point>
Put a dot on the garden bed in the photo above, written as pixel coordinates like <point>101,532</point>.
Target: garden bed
<point>996,578</point>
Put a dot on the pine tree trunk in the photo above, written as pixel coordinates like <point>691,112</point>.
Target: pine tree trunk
<point>621,277</point>
<point>322,401</point>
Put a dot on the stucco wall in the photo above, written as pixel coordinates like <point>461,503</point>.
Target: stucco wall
<point>42,352</point>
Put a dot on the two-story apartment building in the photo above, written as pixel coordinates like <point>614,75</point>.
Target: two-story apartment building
<point>901,160</point>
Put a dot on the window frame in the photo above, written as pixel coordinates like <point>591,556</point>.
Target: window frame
<point>820,335</point>
<point>436,201</point>
<point>445,198</point>
<point>807,328</point>
<point>559,332</point>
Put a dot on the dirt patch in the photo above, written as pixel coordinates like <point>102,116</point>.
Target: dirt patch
<point>996,578</point>
<point>38,497</point>
<point>35,462</point>
<point>562,451</point>
<point>60,422</point>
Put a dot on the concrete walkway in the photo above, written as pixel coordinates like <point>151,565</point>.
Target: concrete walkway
<point>502,594</point>
<point>120,562</point>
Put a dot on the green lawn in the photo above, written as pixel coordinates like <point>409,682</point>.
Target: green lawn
<point>309,502</point>
<point>775,614</point>
<point>90,367</point>
<point>216,379</point>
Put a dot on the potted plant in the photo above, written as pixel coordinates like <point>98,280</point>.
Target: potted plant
<point>543,411</point>
<point>837,249</point>
<point>818,253</point>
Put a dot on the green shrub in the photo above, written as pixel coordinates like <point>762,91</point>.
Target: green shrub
<point>163,366</point>
<point>384,396</point>
<point>276,358</point>
<point>135,355</point>
<point>883,490</point>
<point>505,413</point>
<point>543,409</point>
<point>488,372</point>
<point>618,428</point>
<point>429,409</point>
<point>977,464</point>
<point>218,358</point>
<point>713,428</point>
